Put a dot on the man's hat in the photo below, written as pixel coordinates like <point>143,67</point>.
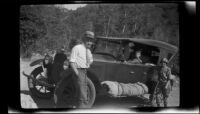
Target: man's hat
<point>89,34</point>
<point>164,60</point>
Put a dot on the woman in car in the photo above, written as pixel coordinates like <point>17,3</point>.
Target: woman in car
<point>137,59</point>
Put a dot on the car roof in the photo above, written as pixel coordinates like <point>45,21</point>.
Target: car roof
<point>150,42</point>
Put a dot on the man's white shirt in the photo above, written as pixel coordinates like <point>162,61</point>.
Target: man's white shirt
<point>78,56</point>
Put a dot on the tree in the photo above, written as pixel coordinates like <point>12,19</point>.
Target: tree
<point>51,26</point>
<point>31,29</point>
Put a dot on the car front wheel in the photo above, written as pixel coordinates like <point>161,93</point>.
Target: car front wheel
<point>36,89</point>
<point>65,95</point>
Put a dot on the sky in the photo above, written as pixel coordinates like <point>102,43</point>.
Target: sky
<point>72,6</point>
<point>191,6</point>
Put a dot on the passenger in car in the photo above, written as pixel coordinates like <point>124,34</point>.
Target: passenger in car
<point>129,51</point>
<point>137,59</point>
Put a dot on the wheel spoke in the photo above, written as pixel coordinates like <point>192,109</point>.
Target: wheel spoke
<point>40,88</point>
<point>45,89</point>
<point>38,76</point>
<point>41,74</point>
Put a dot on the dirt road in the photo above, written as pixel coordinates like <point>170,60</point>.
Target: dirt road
<point>100,102</point>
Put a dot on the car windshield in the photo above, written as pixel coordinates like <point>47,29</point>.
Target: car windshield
<point>108,47</point>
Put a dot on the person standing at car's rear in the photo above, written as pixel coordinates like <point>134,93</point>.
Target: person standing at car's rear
<point>164,76</point>
<point>80,61</point>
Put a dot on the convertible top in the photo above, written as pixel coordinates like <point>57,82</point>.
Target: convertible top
<point>150,42</point>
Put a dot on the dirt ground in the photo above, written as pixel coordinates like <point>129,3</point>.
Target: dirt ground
<point>100,102</point>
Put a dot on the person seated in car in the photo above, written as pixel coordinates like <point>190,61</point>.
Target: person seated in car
<point>128,51</point>
<point>137,59</point>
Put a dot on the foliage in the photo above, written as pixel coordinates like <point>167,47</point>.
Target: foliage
<point>52,26</point>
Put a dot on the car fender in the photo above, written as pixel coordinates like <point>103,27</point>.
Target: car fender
<point>36,62</point>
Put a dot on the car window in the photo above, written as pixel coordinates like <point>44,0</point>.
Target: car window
<point>149,54</point>
<point>169,55</point>
<point>104,46</point>
<point>103,57</point>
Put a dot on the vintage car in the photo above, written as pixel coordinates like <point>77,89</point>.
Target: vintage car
<point>109,65</point>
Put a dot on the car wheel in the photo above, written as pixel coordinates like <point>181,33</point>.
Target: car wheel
<point>65,95</point>
<point>39,90</point>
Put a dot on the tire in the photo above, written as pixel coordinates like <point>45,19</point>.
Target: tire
<point>38,90</point>
<point>91,93</point>
<point>65,95</point>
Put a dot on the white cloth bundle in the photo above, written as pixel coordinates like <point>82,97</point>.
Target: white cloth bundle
<point>116,89</point>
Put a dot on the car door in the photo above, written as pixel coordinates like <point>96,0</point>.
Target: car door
<point>111,71</point>
<point>99,70</point>
<point>126,73</point>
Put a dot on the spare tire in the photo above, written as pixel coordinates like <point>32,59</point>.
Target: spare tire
<point>65,95</point>
<point>39,90</point>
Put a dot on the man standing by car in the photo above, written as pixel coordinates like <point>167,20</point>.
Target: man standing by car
<point>80,61</point>
<point>164,75</point>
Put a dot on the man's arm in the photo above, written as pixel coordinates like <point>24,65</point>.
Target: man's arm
<point>90,57</point>
<point>73,58</point>
<point>168,78</point>
<point>74,68</point>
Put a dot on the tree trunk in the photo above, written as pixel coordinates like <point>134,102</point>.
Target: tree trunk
<point>108,27</point>
<point>135,27</point>
<point>107,30</point>
<point>124,27</point>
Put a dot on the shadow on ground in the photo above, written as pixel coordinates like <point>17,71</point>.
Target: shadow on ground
<point>101,101</point>
<point>122,102</point>
<point>41,102</point>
